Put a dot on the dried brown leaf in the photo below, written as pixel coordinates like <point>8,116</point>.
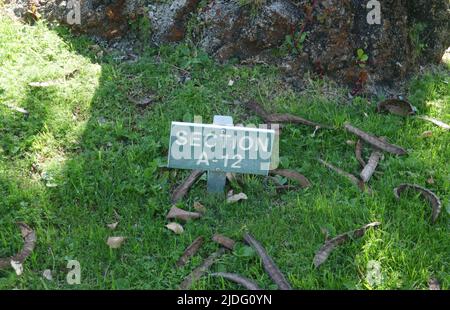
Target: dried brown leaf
<point>329,245</point>
<point>397,107</point>
<point>29,238</point>
<point>198,272</point>
<point>361,185</point>
<point>426,134</point>
<point>180,214</point>
<point>280,118</point>
<point>115,242</point>
<point>372,164</point>
<point>183,188</point>
<point>429,195</point>
<point>377,142</point>
<point>224,241</point>
<point>175,227</point>
<point>112,226</point>
<point>190,251</point>
<point>433,284</point>
<point>245,282</point>
<point>293,175</point>
<point>236,198</point>
<point>268,263</point>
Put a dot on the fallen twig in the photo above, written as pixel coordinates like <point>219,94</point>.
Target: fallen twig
<point>435,121</point>
<point>377,142</point>
<point>329,245</point>
<point>184,187</point>
<point>245,282</point>
<point>29,238</point>
<point>432,198</point>
<point>190,251</point>
<point>17,109</point>
<point>198,272</point>
<point>372,164</point>
<point>268,263</point>
<point>361,185</point>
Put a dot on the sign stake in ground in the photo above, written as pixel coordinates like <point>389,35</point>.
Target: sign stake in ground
<point>219,148</point>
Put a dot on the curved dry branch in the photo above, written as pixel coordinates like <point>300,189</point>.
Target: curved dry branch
<point>293,175</point>
<point>184,187</point>
<point>329,245</point>
<point>429,195</point>
<point>245,282</point>
<point>268,263</point>
<point>377,142</point>
<point>29,238</point>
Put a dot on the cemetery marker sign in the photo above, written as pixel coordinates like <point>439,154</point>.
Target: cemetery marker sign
<point>220,148</point>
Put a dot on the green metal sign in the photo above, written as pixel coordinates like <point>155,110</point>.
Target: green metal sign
<point>221,147</point>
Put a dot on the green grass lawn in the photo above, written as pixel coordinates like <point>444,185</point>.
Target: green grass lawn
<point>87,156</point>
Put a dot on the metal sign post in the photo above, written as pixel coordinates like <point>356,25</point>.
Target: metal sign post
<point>217,179</point>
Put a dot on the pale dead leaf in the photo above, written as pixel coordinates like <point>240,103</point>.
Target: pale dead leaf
<point>175,227</point>
<point>199,207</point>
<point>113,226</point>
<point>17,266</point>
<point>115,242</point>
<point>236,198</point>
<point>47,274</point>
<point>180,214</point>
<point>427,134</point>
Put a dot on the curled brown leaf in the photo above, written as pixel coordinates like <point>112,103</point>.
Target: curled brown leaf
<point>329,245</point>
<point>293,175</point>
<point>268,263</point>
<point>29,238</point>
<point>198,272</point>
<point>180,214</point>
<point>280,118</point>
<point>377,142</point>
<point>397,107</point>
<point>191,250</point>
<point>356,181</point>
<point>245,282</point>
<point>224,241</point>
<point>429,195</point>
<point>184,187</point>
